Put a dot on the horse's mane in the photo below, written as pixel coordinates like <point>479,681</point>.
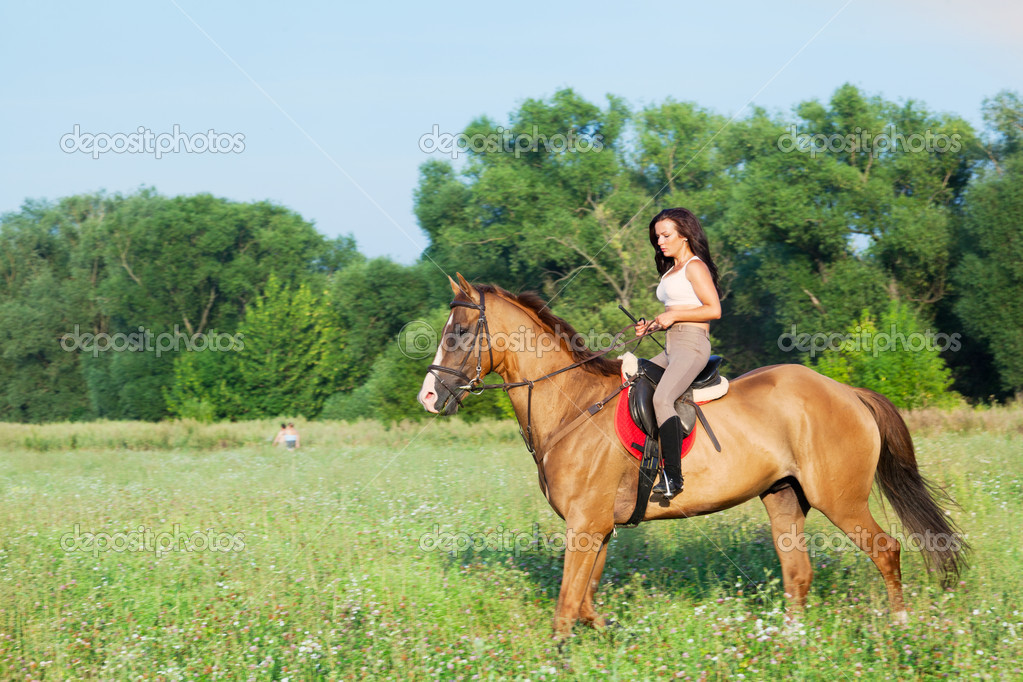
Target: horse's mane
<point>576,343</point>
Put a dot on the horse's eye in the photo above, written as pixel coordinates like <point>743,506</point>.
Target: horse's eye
<point>459,330</point>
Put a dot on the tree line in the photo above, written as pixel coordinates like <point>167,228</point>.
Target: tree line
<point>832,227</point>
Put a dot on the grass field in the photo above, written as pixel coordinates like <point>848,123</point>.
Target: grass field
<point>326,564</point>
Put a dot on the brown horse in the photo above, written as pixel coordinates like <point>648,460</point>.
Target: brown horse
<point>788,435</point>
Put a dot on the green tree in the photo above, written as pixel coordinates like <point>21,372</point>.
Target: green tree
<point>845,209</point>
<point>537,216</point>
<point>989,277</point>
<point>286,358</point>
<point>897,356</point>
<point>40,303</point>
<point>1003,114</point>
<point>103,264</point>
<point>39,378</point>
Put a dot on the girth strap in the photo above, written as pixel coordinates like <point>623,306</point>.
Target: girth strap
<point>648,469</point>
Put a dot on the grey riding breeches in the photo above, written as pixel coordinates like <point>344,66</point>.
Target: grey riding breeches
<point>688,349</point>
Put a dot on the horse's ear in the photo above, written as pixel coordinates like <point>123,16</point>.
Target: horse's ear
<point>455,289</point>
<point>466,288</point>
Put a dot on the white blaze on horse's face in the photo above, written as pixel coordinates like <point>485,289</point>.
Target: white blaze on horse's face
<point>428,393</point>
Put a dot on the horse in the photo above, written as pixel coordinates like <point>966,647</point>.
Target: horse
<point>788,435</point>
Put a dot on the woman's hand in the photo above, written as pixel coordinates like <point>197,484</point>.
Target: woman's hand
<point>659,323</point>
<point>664,320</point>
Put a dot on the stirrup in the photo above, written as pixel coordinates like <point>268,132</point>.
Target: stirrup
<point>663,486</point>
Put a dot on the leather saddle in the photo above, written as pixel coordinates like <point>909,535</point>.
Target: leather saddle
<point>708,385</point>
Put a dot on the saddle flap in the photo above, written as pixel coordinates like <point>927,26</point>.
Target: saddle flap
<point>651,370</point>
<point>641,401</point>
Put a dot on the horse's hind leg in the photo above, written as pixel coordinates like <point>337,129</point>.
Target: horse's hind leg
<point>787,510</point>
<point>858,523</point>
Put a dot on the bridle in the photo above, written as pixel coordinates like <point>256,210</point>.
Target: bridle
<point>476,386</point>
<point>473,385</point>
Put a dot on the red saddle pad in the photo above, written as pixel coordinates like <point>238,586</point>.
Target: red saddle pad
<point>631,436</point>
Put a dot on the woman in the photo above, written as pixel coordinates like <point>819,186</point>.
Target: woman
<point>689,292</point>
<point>279,438</point>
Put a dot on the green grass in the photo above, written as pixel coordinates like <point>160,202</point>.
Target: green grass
<point>333,580</point>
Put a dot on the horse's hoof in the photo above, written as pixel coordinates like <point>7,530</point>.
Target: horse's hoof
<point>900,617</point>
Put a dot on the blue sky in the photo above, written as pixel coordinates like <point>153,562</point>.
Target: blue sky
<point>332,99</point>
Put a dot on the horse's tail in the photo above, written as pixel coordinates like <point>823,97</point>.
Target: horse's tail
<point>912,495</point>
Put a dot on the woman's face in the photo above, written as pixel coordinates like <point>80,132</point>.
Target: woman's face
<point>669,241</point>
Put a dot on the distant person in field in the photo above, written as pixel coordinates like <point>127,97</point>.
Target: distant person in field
<point>279,438</point>
<point>291,439</point>
<point>287,436</point>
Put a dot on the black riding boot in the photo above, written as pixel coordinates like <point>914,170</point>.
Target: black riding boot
<point>671,450</point>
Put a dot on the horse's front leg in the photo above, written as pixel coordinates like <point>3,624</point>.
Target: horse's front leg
<point>585,554</point>
<point>587,612</point>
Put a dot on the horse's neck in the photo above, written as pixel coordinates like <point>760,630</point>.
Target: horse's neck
<point>554,400</point>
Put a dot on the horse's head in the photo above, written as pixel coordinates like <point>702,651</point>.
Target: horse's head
<point>465,353</point>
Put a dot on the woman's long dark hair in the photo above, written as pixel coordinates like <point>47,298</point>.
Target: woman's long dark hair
<point>687,225</point>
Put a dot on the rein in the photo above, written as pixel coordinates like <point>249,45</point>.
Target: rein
<point>476,385</point>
